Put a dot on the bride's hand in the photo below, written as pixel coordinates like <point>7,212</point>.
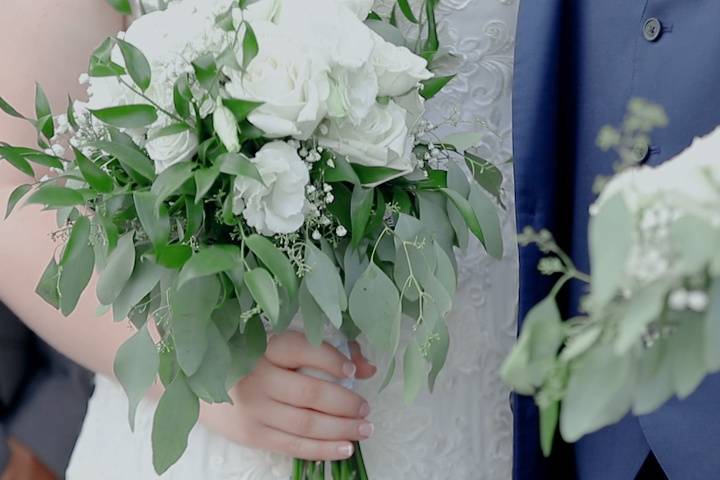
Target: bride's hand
<point>280,410</point>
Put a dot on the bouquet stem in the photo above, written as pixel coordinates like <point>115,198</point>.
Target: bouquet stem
<point>350,469</point>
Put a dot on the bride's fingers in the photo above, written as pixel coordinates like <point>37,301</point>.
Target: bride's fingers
<point>299,390</point>
<point>310,424</point>
<point>291,350</point>
<point>365,369</point>
<point>304,448</point>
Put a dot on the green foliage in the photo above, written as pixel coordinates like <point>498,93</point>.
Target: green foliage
<point>136,366</point>
<point>136,64</point>
<point>122,6</point>
<point>127,116</point>
<point>374,297</point>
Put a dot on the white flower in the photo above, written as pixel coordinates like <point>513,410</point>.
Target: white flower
<point>382,139</point>
<point>341,231</point>
<point>277,206</point>
<point>169,150</point>
<point>225,126</point>
<point>353,92</point>
<point>361,8</point>
<point>291,82</point>
<point>398,69</point>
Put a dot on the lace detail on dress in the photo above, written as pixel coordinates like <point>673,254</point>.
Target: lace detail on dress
<point>463,431</point>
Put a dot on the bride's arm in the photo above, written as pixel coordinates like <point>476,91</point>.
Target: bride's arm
<point>49,41</point>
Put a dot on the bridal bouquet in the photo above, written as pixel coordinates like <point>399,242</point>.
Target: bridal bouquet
<point>652,327</point>
<point>239,162</point>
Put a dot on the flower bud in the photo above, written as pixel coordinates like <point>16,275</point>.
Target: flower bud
<point>226,127</point>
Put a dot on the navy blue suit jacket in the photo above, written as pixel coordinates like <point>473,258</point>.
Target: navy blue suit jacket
<point>578,64</point>
<point>43,396</point>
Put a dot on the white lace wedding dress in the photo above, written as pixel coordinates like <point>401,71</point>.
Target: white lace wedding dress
<point>461,432</point>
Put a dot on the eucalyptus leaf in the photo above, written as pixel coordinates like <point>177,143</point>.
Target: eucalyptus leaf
<point>170,181</point>
<point>74,277</point>
<point>414,372</point>
<point>204,180</point>
<point>487,214</point>
<point>175,416</point>
<point>210,260</point>
<point>325,285</point>
<point>191,308</point>
<point>466,211</point>
<point>276,261</point>
<point>262,288</point>
<point>208,382</point>
<point>314,320</point>
<point>78,240</point>
<point>246,348</point>
<point>155,222</point>
<point>146,275</point>
<point>360,208</point>
<point>136,367</point>
<point>375,308</point>
<point>238,164</point>
<point>132,159</point>
<point>48,287</point>
<point>119,269</point>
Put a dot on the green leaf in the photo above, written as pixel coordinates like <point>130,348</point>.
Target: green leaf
<point>119,269</point>
<point>375,308</point>
<point>314,320</point>
<point>599,392</point>
<point>341,171</point>
<point>204,180</point>
<point>74,277</point>
<point>47,288</point>
<point>246,348</point>
<point>170,181</point>
<point>548,425</point>
<point>101,64</point>
<point>238,164</point>
<point>191,307</point>
<point>466,211</point>
<point>534,356</point>
<point>487,214</point>
<point>263,290</point>
<point>438,352</point>
<point>17,160</point>
<point>433,86</point>
<point>79,239</point>
<point>240,108</point>
<point>325,285</point>
<point>52,196</point>
<point>360,207</point>
<point>127,116</point>
<point>7,108</point>
<point>250,47</point>
<point>611,236</point>
<point>136,64</point>
<point>432,43</point>
<point>146,275</point>
<point>407,11</point>
<point>175,416</point>
<point>206,71</point>
<point>486,174</point>
<point>132,159</point>
<point>373,176</point>
<point>122,6</point>
<point>173,256</point>
<point>43,113</point>
<point>414,372</point>
<point>645,307</point>
<point>210,261</point>
<point>208,382</point>
<point>94,175</point>
<point>155,223</point>
<point>136,367</point>
<point>182,96</point>
<point>15,198</point>
<point>276,261</point>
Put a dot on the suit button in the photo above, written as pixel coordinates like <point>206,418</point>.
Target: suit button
<point>652,29</point>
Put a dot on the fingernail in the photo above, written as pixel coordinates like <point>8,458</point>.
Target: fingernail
<point>346,450</point>
<point>366,430</point>
<point>364,410</point>
<point>349,369</point>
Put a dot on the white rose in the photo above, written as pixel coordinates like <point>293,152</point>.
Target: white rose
<point>291,83</point>
<point>353,92</point>
<point>398,69</point>
<point>277,206</point>
<point>329,27</point>
<point>226,128</point>
<point>382,139</point>
<point>169,150</point>
<point>361,8</point>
